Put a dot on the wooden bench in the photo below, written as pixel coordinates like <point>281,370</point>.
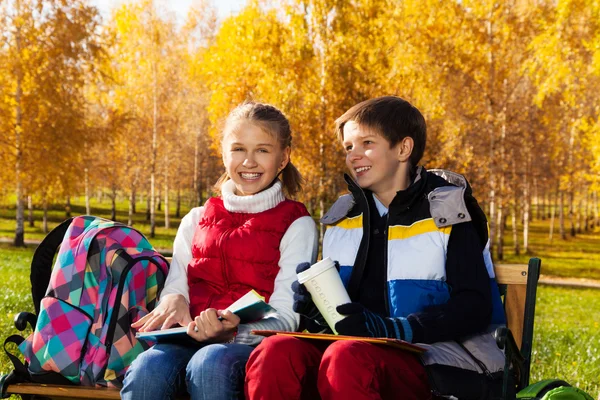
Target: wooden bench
<point>518,286</point>
<point>517,283</point>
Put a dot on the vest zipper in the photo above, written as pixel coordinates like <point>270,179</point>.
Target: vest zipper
<point>363,250</point>
<point>223,264</point>
<point>385,265</point>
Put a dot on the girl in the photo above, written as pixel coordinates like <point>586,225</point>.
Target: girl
<point>251,237</point>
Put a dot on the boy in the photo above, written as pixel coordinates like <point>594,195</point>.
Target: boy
<point>412,250</point>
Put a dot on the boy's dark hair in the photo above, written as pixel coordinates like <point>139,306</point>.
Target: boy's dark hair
<point>394,118</point>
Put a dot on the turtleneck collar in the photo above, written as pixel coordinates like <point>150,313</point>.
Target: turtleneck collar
<point>252,204</point>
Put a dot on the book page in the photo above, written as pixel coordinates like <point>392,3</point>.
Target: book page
<point>249,298</point>
<point>396,343</point>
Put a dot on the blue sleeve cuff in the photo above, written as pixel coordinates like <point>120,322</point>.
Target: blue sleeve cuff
<point>408,334</point>
<point>402,329</point>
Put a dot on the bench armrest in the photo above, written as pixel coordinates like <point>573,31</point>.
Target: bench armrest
<point>22,318</point>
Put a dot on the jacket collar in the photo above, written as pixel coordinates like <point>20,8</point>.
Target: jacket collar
<point>403,199</point>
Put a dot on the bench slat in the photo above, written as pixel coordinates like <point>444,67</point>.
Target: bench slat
<point>66,392</point>
<point>515,310</point>
<point>511,274</point>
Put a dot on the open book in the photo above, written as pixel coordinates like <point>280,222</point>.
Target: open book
<point>399,344</point>
<point>249,308</point>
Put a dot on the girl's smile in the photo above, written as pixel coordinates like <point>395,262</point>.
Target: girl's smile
<point>252,157</point>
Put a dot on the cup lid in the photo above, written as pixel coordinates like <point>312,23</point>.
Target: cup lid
<point>315,270</point>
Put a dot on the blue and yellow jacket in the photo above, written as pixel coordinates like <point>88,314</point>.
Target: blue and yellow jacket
<point>438,271</point>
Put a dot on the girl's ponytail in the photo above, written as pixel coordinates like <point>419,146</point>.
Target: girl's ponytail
<point>292,179</point>
<point>222,179</point>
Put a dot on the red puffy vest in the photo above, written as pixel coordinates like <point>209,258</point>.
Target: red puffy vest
<point>235,252</point>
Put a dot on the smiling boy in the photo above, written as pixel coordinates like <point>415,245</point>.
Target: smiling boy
<point>413,254</point>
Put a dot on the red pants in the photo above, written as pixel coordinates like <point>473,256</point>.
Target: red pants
<point>284,367</point>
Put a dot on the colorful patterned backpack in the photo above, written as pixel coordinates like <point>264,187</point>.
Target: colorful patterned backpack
<point>105,277</point>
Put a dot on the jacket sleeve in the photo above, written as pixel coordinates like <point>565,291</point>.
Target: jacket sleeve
<point>469,308</point>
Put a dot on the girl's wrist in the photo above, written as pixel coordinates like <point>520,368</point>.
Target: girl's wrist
<point>232,340</point>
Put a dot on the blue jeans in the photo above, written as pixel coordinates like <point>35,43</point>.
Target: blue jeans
<point>215,371</point>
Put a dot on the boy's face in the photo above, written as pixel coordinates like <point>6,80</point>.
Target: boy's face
<point>372,162</point>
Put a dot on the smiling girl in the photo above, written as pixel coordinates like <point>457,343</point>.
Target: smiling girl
<point>251,237</point>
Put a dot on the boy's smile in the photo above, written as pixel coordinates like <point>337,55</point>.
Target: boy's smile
<point>373,163</point>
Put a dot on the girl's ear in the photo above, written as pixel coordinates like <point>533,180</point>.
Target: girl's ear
<point>405,148</point>
<point>285,158</point>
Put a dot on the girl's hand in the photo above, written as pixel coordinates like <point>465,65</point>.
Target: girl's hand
<point>171,310</point>
<point>207,327</point>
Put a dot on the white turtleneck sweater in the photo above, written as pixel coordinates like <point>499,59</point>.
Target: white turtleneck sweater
<point>299,244</point>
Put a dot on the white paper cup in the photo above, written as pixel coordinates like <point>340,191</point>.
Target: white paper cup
<point>324,284</point>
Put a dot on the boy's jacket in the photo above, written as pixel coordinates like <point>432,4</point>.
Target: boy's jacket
<point>418,232</point>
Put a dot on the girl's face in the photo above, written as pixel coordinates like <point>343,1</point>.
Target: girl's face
<point>252,157</point>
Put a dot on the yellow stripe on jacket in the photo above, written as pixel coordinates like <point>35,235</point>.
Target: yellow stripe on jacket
<point>417,228</point>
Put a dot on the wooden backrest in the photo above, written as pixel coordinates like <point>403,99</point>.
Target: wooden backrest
<point>518,283</point>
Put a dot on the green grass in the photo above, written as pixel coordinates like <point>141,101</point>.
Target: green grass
<point>567,337</point>
<point>15,294</point>
<point>577,256</point>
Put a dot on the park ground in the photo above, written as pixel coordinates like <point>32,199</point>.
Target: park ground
<point>567,322</point>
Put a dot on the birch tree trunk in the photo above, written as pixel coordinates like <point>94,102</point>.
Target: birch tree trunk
<point>596,211</point>
<point>68,206</point>
<point>113,204</point>
<point>536,201</point>
<point>178,204</point>
<point>166,175</point>
<point>572,212</point>
<point>148,205</point>
<point>515,229</point>
<point>197,176</point>
<point>86,179</point>
<point>526,207</point>
<point>500,224</point>
<point>587,211</point>
<point>154,144</point>
<point>561,216</point>
<point>30,211</point>
<point>580,213</point>
<point>19,240</point>
<point>515,209</point>
<point>45,217</point>
<point>131,205</point>
<point>571,167</point>
<point>552,211</point>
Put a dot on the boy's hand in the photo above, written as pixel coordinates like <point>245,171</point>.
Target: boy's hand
<point>171,310</point>
<point>361,322</point>
<point>303,303</point>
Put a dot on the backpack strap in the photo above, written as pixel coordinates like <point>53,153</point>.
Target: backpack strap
<point>20,374</point>
<point>41,264</point>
